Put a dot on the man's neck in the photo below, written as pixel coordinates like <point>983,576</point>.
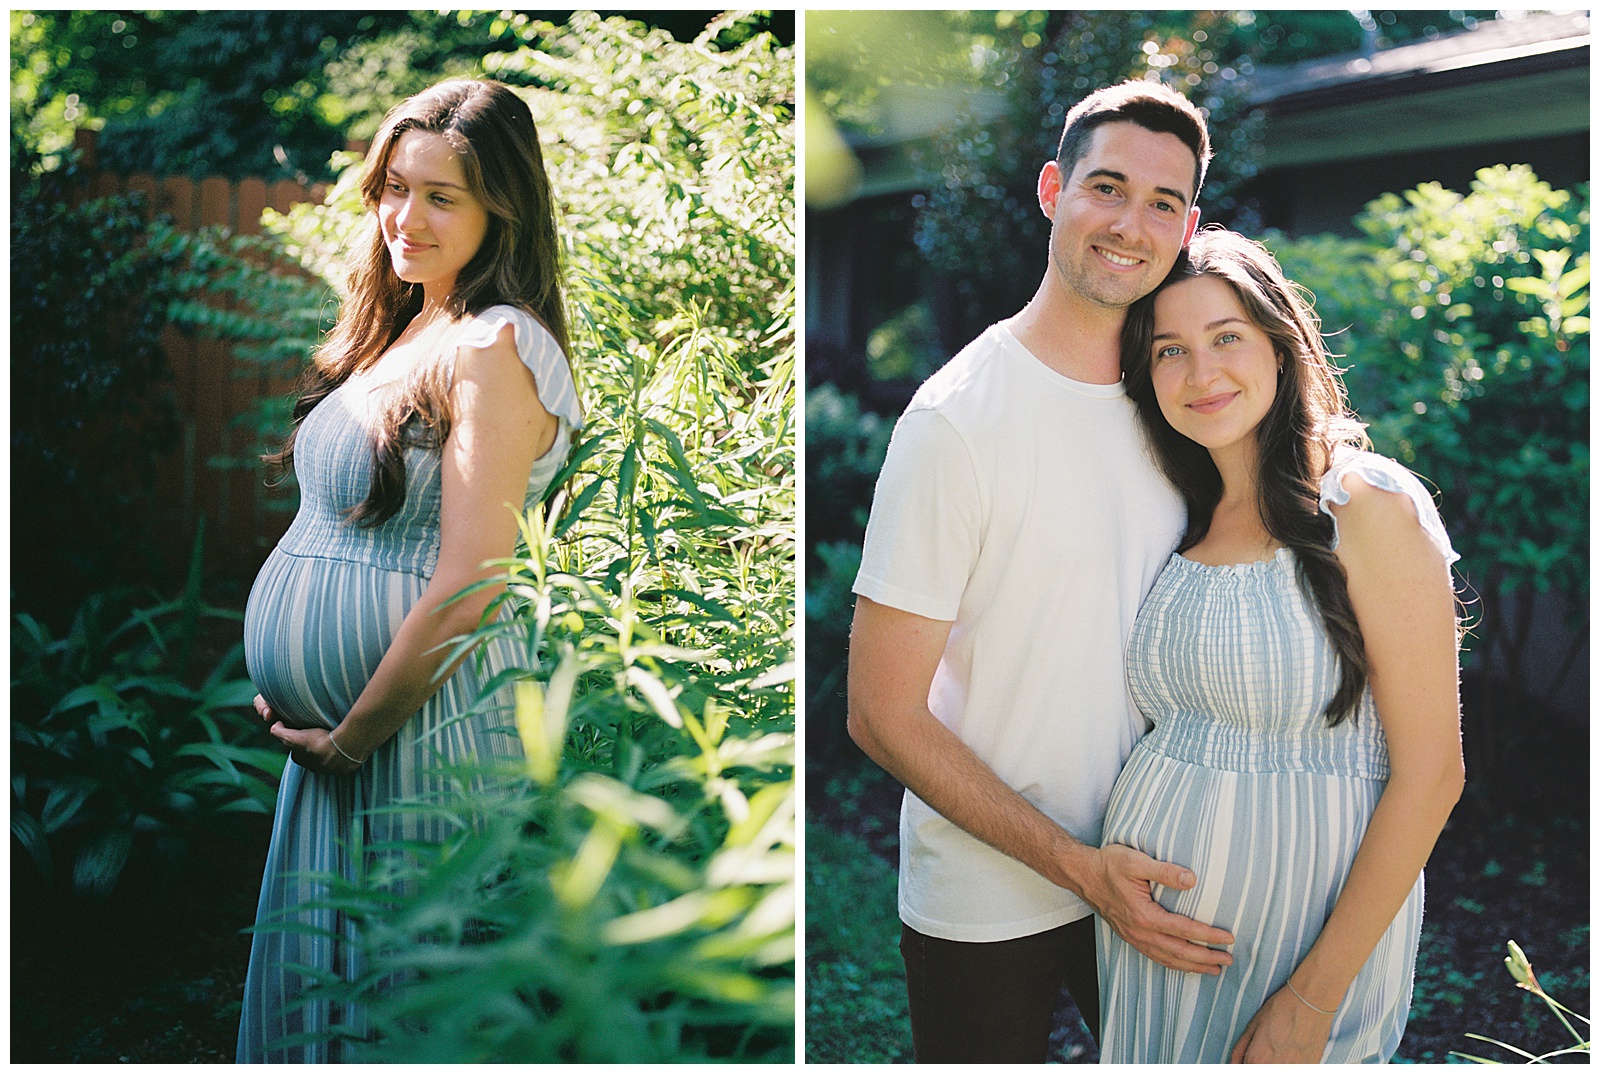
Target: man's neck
<point>1078,339</point>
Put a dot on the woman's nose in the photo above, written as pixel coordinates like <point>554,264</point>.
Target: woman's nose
<point>406,216</point>
<point>1202,366</point>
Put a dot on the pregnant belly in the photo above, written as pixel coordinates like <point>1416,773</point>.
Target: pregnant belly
<point>315,630</point>
<point>1269,850</point>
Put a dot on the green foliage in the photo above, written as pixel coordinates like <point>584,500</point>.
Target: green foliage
<point>126,737</point>
<point>1464,322</point>
<point>629,895</point>
<point>845,447</point>
<point>186,92</point>
<point>269,93</point>
<point>855,981</point>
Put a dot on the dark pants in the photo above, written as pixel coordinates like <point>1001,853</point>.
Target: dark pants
<point>993,1002</point>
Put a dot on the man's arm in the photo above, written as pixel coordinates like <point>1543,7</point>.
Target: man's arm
<point>893,656</point>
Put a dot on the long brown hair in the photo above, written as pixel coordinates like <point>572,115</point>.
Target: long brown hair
<point>1296,439</point>
<point>518,263</point>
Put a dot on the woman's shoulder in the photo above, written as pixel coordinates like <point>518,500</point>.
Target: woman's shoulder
<point>537,349</point>
<point>482,329</point>
<point>1386,494</point>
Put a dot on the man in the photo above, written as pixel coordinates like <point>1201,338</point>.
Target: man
<point>1017,523</point>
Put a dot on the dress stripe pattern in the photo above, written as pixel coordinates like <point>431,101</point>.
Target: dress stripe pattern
<point>321,614</point>
<point>1242,781</point>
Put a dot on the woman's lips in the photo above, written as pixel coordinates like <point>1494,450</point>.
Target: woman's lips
<point>1210,404</point>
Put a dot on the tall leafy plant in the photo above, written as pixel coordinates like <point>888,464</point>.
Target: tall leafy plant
<point>628,894</point>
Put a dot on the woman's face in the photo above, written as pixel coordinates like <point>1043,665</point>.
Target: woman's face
<point>432,223</point>
<point>1215,372</point>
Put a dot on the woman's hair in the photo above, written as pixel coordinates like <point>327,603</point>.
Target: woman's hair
<point>492,131</point>
<point>1308,418</point>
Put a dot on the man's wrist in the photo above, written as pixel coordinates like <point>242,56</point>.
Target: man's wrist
<point>1074,863</point>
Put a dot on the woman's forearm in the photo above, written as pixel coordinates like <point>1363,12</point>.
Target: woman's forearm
<point>405,676</point>
<point>1404,827</point>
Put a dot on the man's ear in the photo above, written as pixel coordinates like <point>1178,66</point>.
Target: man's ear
<point>1194,222</point>
<point>1050,189</point>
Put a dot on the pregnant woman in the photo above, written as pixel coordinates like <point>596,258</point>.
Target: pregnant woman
<point>1297,657</point>
<point>441,402</point>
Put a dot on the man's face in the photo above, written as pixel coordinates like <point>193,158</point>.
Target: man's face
<point>1119,220</point>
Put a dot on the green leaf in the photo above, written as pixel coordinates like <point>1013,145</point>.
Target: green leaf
<point>101,862</point>
<point>27,831</point>
<point>64,801</point>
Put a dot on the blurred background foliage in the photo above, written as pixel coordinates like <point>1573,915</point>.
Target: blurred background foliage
<point>265,93</point>
<point>630,895</point>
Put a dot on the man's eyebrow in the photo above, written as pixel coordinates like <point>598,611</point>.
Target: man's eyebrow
<point>396,174</point>
<point>1107,173</point>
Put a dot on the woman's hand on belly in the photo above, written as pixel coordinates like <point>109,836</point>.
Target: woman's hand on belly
<point>313,749</point>
<point>1284,1030</point>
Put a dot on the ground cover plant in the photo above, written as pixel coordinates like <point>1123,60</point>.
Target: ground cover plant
<point>629,894</point>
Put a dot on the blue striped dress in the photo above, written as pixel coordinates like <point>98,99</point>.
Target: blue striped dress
<point>320,616</point>
<point>1243,781</point>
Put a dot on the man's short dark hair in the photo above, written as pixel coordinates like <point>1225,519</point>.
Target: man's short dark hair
<point>1151,105</point>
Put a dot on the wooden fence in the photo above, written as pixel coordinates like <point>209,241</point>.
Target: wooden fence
<point>211,387</point>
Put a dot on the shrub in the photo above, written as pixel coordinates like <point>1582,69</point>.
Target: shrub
<point>855,980</point>
<point>845,447</point>
<point>1464,321</point>
<point>125,735</point>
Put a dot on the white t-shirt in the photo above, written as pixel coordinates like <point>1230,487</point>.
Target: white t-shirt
<point>1025,508</point>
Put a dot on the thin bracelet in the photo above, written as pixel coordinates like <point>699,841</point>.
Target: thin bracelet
<point>1286,984</point>
<point>358,764</point>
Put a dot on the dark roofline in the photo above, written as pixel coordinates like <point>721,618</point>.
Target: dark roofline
<point>1497,49</point>
<point>1362,87</point>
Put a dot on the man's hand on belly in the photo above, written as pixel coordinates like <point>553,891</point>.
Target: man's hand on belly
<point>1118,887</point>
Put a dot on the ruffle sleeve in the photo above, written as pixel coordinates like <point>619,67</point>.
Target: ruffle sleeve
<point>538,350</point>
<point>1382,473</point>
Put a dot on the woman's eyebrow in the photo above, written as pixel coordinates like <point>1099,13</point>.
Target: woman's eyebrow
<point>1207,328</point>
<point>395,174</point>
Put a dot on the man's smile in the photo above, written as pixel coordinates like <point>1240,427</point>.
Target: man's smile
<point>1118,259</point>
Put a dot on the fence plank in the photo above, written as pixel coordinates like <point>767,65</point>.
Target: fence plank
<point>286,193</point>
<point>252,200</point>
<point>216,202</point>
<point>208,393</point>
<point>177,200</point>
